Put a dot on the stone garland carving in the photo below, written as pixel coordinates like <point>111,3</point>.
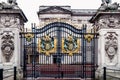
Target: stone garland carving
<point>9,21</point>
<point>109,22</point>
<point>111,45</point>
<point>7,45</point>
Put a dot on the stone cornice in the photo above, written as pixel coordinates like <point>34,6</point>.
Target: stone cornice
<point>61,10</point>
<point>46,11</point>
<point>14,11</point>
<point>99,13</point>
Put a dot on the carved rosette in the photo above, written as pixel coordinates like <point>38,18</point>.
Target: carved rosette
<point>109,21</point>
<point>7,45</point>
<point>111,45</point>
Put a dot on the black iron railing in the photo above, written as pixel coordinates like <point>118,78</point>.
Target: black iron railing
<point>8,73</point>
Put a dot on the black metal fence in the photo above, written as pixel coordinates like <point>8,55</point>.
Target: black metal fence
<point>111,74</point>
<point>8,74</point>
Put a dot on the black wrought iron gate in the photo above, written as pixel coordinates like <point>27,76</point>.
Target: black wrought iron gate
<point>59,50</point>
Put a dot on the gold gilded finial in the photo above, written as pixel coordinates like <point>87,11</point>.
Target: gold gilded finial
<point>29,36</point>
<point>89,37</point>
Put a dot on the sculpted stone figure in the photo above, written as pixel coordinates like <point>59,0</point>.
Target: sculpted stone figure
<point>12,2</point>
<point>106,1</point>
<point>106,5</point>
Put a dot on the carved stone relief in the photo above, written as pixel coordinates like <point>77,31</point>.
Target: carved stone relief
<point>111,45</point>
<point>9,21</point>
<point>7,45</point>
<point>109,21</point>
<point>11,4</point>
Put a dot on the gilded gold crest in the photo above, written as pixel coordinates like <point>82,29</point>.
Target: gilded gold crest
<point>47,45</point>
<point>29,37</point>
<point>70,45</point>
<point>89,37</point>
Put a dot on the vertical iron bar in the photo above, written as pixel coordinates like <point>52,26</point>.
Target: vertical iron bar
<point>85,63</point>
<point>32,53</point>
<point>83,52</point>
<point>94,56</point>
<point>59,49</point>
<point>34,33</point>
<point>24,55</point>
<point>1,74</point>
<point>15,73</point>
<point>104,73</point>
<point>34,50</point>
<point>91,59</point>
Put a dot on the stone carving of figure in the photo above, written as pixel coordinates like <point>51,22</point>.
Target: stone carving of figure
<point>106,1</point>
<point>12,2</point>
<point>107,5</point>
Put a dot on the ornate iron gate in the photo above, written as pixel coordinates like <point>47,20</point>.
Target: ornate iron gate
<point>59,50</point>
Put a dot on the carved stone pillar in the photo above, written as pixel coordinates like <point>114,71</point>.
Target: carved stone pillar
<point>107,23</point>
<point>12,22</point>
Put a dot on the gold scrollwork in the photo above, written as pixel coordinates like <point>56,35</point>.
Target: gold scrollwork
<point>70,45</point>
<point>47,45</point>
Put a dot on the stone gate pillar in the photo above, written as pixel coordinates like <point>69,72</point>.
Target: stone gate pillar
<point>107,24</point>
<point>12,21</point>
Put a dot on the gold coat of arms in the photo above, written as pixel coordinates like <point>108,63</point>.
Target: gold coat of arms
<point>47,45</point>
<point>70,45</point>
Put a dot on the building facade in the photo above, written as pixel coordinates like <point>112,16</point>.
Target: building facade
<point>75,17</point>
